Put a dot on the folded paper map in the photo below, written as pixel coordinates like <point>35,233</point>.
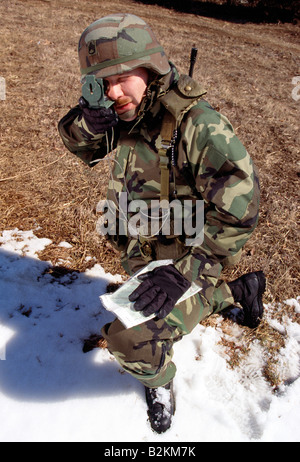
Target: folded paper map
<point>119,304</point>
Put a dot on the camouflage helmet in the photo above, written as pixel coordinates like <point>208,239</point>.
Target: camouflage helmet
<point>119,43</point>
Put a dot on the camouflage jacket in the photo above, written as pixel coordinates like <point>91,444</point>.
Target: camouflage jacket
<point>219,165</point>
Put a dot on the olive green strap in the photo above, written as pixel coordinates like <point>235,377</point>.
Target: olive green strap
<point>167,130</point>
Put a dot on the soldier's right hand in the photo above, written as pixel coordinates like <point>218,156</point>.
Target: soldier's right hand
<point>98,120</point>
<point>159,291</point>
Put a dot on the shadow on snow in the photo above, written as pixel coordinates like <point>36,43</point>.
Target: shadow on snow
<point>46,314</point>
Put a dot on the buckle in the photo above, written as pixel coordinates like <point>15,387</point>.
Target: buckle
<point>146,250</point>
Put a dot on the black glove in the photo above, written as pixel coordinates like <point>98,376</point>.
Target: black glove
<point>159,291</point>
<point>98,120</point>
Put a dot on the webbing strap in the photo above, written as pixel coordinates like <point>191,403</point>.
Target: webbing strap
<point>167,130</point>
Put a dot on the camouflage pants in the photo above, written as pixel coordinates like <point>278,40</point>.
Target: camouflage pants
<point>146,351</point>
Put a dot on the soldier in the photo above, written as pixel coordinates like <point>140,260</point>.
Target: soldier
<point>168,143</point>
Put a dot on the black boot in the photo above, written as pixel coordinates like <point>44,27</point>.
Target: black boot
<point>161,407</point>
<point>247,291</point>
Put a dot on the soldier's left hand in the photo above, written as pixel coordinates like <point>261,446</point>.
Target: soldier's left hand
<point>98,120</point>
<point>159,291</point>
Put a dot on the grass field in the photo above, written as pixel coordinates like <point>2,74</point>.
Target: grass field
<point>247,69</point>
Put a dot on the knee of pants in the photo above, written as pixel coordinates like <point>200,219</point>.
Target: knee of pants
<point>144,347</point>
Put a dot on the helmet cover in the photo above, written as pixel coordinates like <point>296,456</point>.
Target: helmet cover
<point>120,43</point>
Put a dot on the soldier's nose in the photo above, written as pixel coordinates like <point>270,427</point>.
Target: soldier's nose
<point>114,92</point>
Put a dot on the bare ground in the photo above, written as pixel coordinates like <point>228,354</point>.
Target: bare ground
<point>246,68</point>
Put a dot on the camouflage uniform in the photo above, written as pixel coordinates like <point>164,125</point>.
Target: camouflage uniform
<point>221,173</point>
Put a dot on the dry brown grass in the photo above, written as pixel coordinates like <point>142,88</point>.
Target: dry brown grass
<point>247,70</point>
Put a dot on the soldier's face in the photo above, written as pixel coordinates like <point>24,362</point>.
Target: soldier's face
<point>127,90</point>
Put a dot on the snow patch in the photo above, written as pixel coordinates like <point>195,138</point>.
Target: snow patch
<point>51,391</point>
